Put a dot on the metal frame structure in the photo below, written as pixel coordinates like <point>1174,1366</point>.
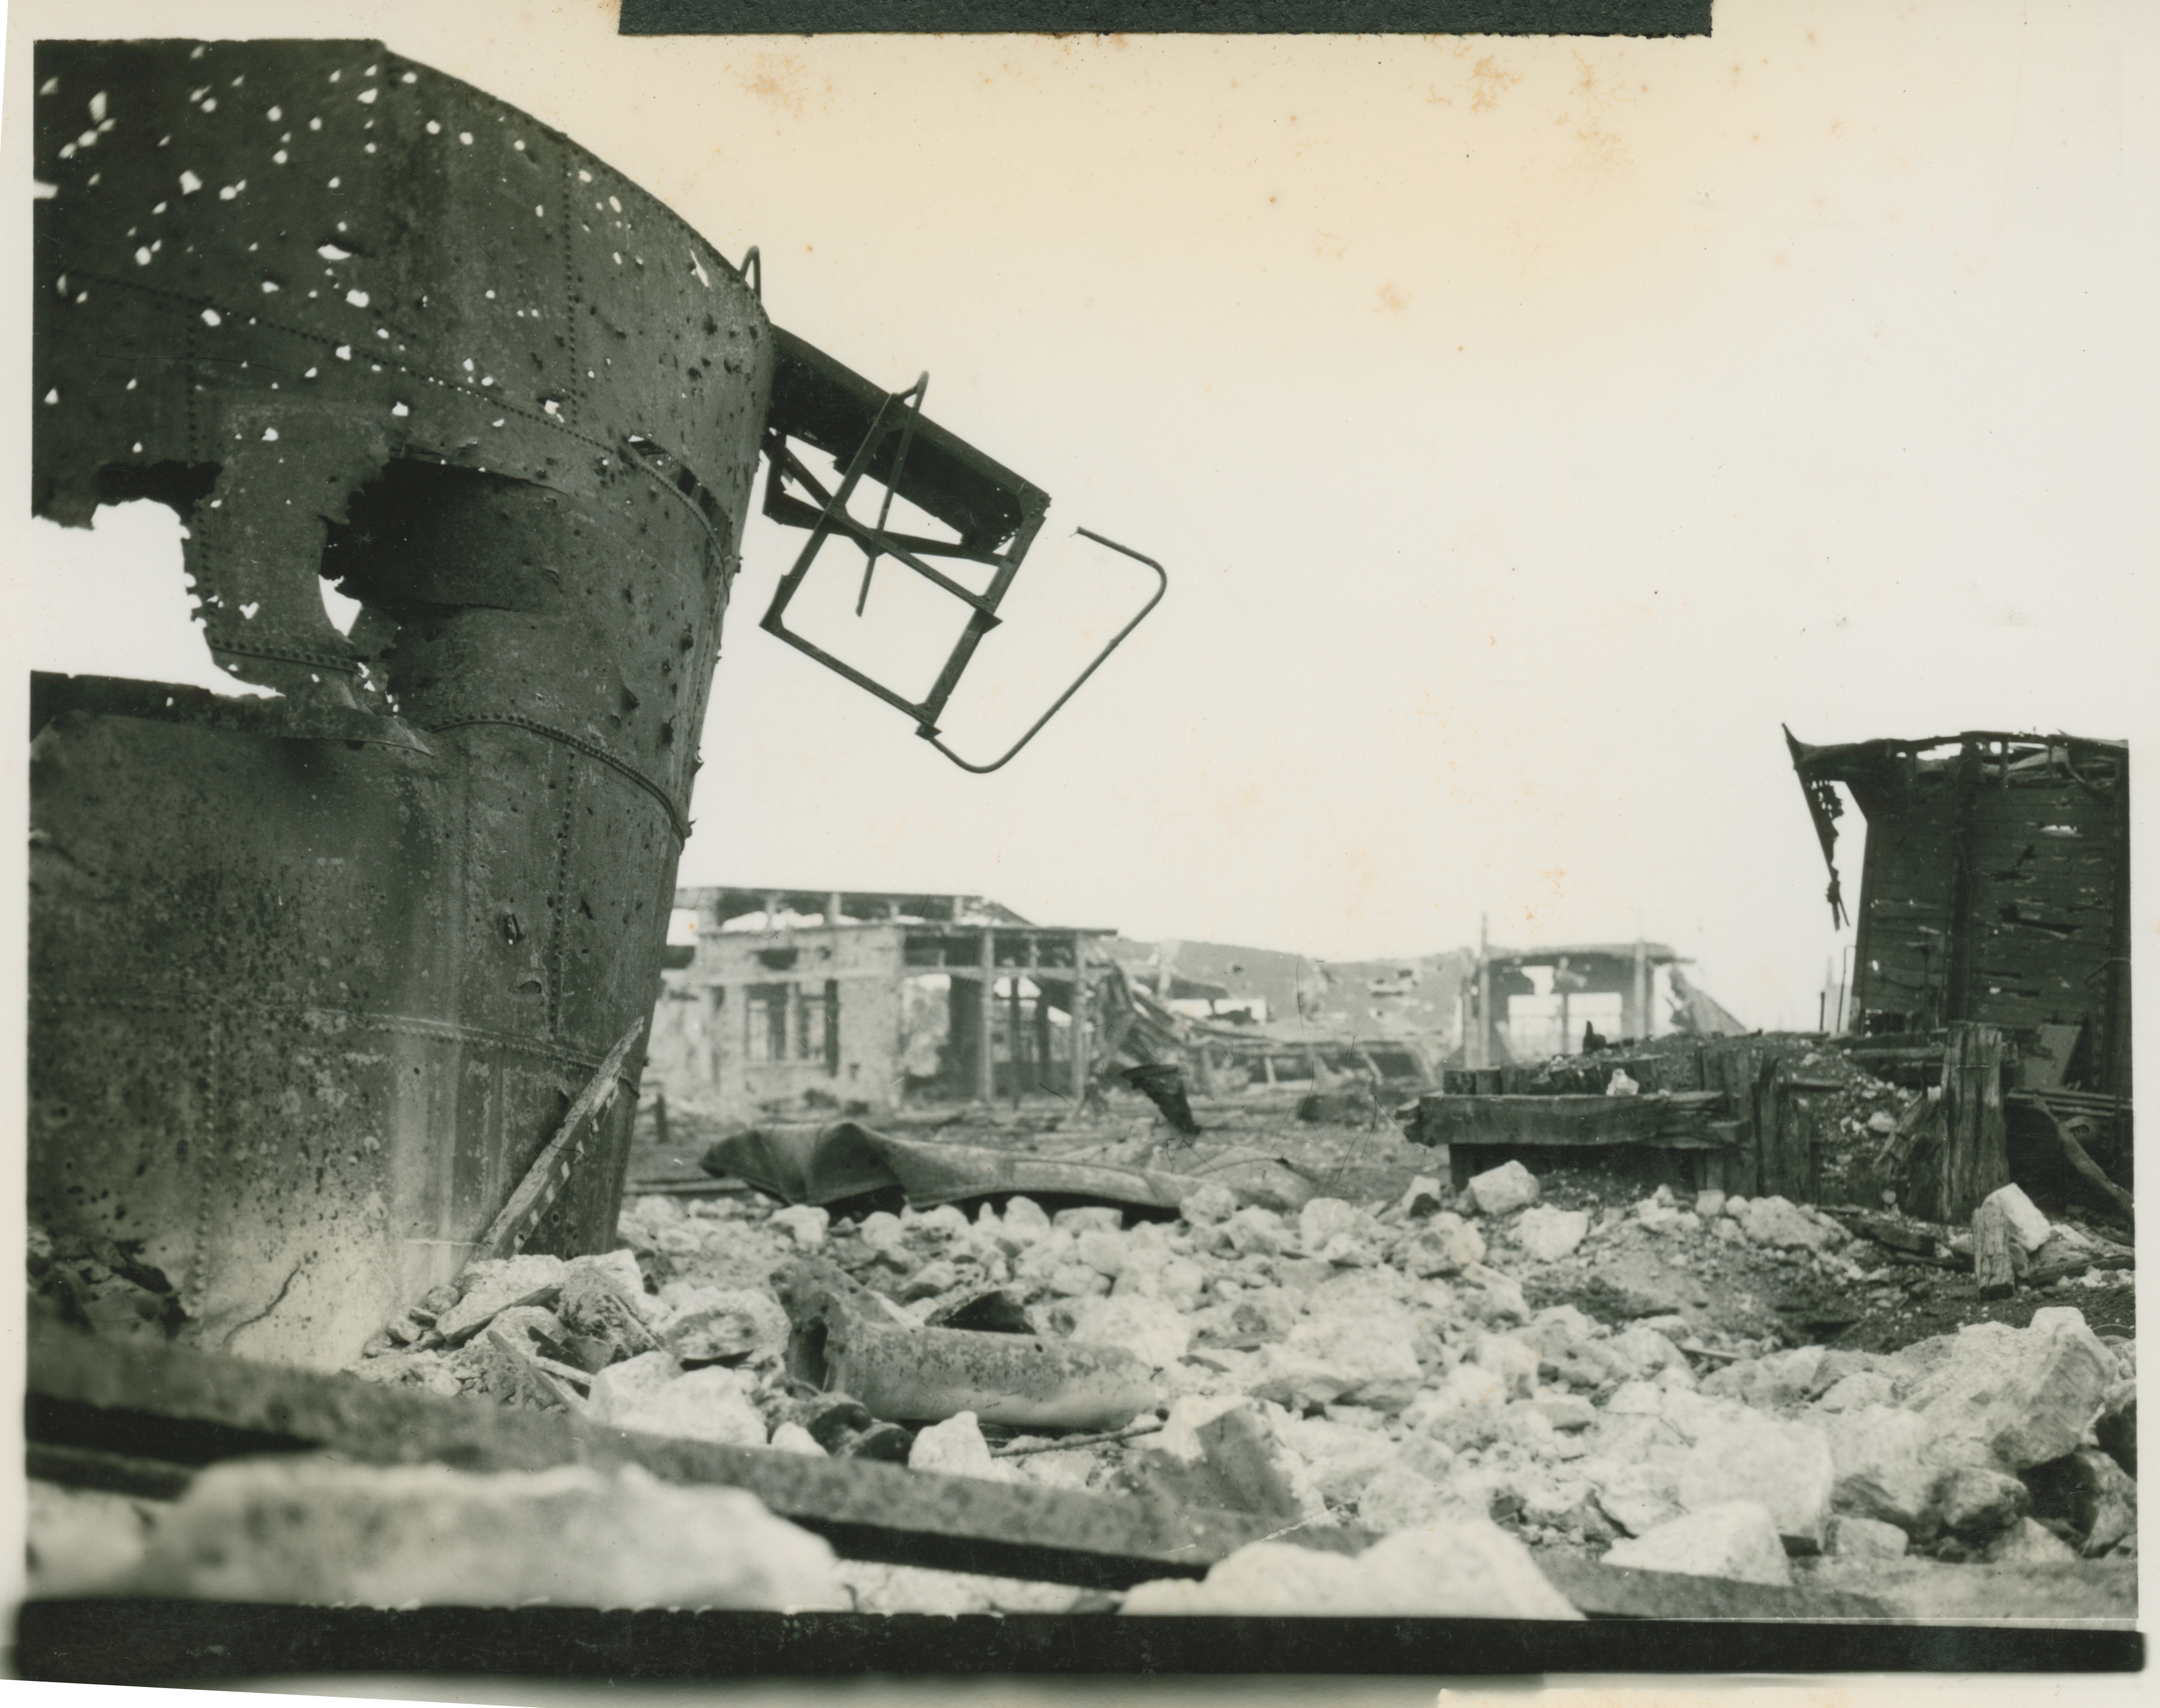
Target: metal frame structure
<point>995,513</point>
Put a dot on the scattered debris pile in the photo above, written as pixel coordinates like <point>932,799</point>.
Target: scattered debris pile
<point>1457,1403</point>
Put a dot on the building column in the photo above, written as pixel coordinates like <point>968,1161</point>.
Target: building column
<point>1078,1013</point>
<point>986,1054</point>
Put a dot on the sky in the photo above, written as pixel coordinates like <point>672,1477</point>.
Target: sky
<point>1528,427</point>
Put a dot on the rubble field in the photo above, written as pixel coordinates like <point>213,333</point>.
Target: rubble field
<point>1587,1362</point>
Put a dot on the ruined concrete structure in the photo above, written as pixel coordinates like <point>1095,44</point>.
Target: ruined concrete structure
<point>315,977</point>
<point>849,999</point>
<point>1994,888</point>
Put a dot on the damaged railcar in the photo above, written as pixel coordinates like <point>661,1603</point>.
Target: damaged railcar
<point>314,978</point>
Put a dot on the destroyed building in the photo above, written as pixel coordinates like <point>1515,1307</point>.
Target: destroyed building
<point>848,999</point>
<point>1995,887</point>
<point>1994,899</point>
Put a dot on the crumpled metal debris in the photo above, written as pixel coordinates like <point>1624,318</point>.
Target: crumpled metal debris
<point>825,1164</point>
<point>846,1341</point>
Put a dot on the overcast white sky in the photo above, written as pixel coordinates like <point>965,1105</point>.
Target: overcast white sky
<point>1528,427</point>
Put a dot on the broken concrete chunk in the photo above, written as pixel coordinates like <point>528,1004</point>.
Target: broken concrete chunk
<point>1857,1392</point>
<point>1152,1330</point>
<point>880,1588</point>
<point>1637,1496</point>
<point>956,1448</point>
<point>299,1529</point>
<point>1102,1250</point>
<point>1709,1203</point>
<point>2030,1228</point>
<point>1447,1245</point>
<point>1515,1361</point>
<point>1298,1378</point>
<point>2026,1543</point>
<point>711,1405</point>
<point>1852,1537</point>
<point>1341,1459</point>
<point>1465,1568</point>
<point>1566,1411</point>
<point>933,1280</point>
<point>709,1324</point>
<point>82,1541</point>
<point>1975,1503</point>
<point>1423,1198</point>
<point>617,1269</point>
<point>1884,1466</point>
<point>1460,1568</point>
<point>1075,1281</point>
<point>881,1233</point>
<point>1493,1298</point>
<point>806,1224</point>
<point>792,1438</point>
<point>493,1286</point>
<point>1777,1221</point>
<point>1179,1435</point>
<point>1734,1539</point>
<point>1254,1229</point>
<point>1224,1456</point>
<point>1372,1342</point>
<point>1262,1577</point>
<point>2014,1397</point>
<point>622,1388</point>
<point>1647,1351</point>
<point>1323,1219</point>
<point>1468,1386</point>
<point>1501,1190</point>
<point>1403,1499</point>
<point>1786,1467</point>
<point>1548,1234</point>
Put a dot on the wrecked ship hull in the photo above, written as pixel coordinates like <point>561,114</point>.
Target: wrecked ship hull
<point>314,982</point>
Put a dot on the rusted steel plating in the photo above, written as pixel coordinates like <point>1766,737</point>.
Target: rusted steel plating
<point>312,987</point>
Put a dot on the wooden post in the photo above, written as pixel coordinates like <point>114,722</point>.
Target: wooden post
<point>1640,1024</point>
<point>1973,1159</point>
<point>1017,1037</point>
<point>1991,1251</point>
<point>1788,1167</point>
<point>1736,1068</point>
<point>986,1054</point>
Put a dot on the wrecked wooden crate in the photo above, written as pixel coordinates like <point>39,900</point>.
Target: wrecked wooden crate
<point>1480,1133</point>
<point>1757,1128</point>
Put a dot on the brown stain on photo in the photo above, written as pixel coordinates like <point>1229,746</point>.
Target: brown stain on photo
<point>780,80</point>
<point>1489,80</point>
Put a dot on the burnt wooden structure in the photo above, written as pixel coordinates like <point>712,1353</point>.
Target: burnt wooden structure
<point>1994,888</point>
<point>1739,1114</point>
